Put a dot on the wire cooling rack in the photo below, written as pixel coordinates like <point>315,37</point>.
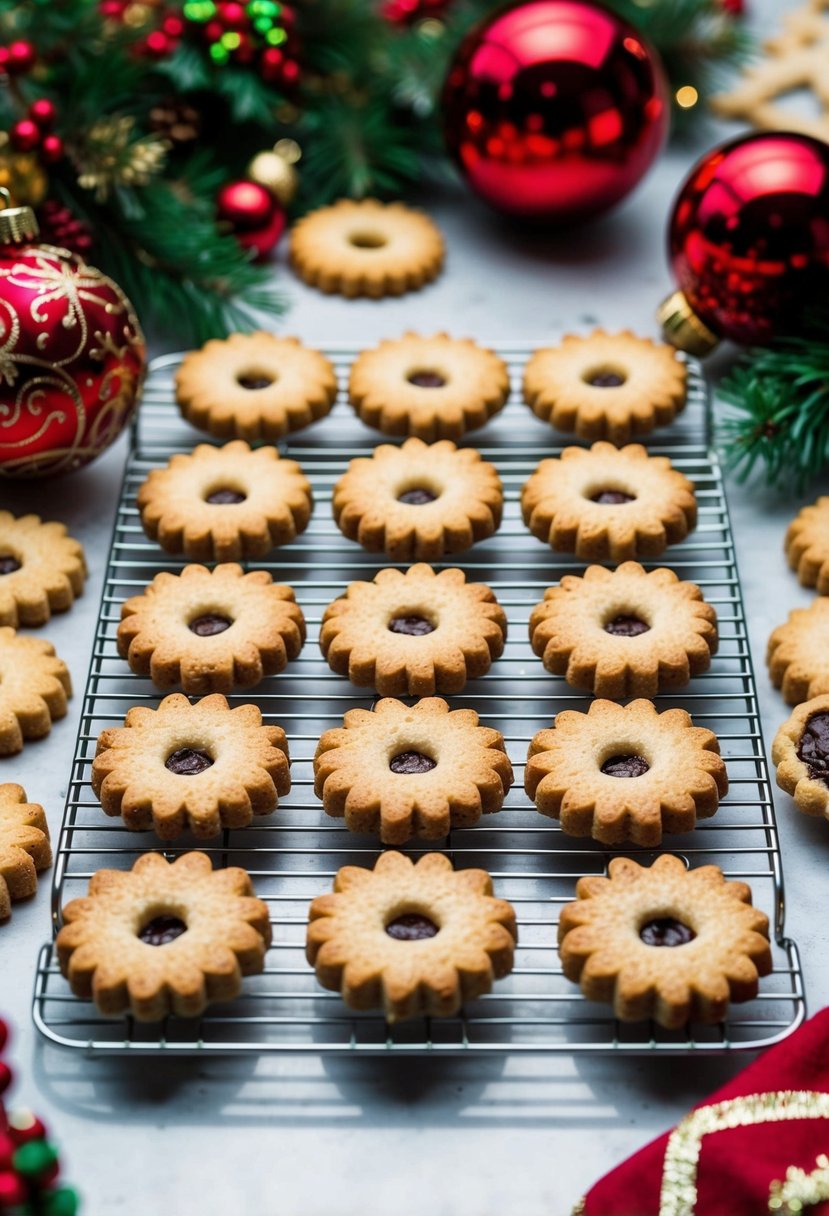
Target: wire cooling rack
<point>295,854</point>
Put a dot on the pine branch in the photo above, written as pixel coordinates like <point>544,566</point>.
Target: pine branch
<point>781,414</point>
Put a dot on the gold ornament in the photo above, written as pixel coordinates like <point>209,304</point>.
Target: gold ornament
<point>22,174</point>
<point>275,170</point>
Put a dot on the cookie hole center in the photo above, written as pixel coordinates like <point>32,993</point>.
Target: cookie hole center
<point>426,377</point>
<point>625,766</point>
<point>162,930</point>
<point>412,927</point>
<point>408,763</point>
<point>414,626</point>
<point>625,626</point>
<point>367,240</point>
<point>209,624</point>
<point>9,563</point>
<point>813,748</point>
<point>188,762</point>
<point>604,377</point>
<point>254,381</point>
<point>666,931</point>
<point>224,496</point>
<point>418,496</point>
<point>612,497</point>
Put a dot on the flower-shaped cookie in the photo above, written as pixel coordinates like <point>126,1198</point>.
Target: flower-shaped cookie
<point>606,503</point>
<point>664,942</point>
<point>225,503</point>
<point>807,545</point>
<point>254,386</point>
<point>801,753</point>
<point>798,653</point>
<point>42,570</point>
<point>211,631</point>
<point>432,388</point>
<point>625,772</point>
<point>411,771</point>
<point>624,633</point>
<point>418,501</point>
<point>204,767</point>
<point>34,687</point>
<point>410,938</point>
<point>24,846</point>
<point>163,937</point>
<point>416,632</point>
<point>366,248</point>
<point>606,386</point>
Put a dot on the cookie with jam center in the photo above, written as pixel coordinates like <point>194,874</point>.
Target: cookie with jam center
<point>801,753</point>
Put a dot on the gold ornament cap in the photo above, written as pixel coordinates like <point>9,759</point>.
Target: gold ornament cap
<point>17,224</point>
<point>683,328</point>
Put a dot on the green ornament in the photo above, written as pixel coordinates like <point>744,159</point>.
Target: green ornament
<point>34,1158</point>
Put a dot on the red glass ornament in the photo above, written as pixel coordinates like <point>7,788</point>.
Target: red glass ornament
<point>749,235</point>
<point>43,112</point>
<point>253,213</point>
<point>554,109</point>
<point>22,56</point>
<point>25,135</point>
<point>72,361</point>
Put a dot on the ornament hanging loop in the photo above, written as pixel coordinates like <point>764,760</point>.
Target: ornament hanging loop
<point>17,224</point>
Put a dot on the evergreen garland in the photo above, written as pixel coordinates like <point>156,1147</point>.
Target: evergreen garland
<point>364,109</point>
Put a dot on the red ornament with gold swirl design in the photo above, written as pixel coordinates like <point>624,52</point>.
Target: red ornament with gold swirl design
<point>72,355</point>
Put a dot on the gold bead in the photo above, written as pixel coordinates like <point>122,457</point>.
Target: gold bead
<point>288,149</point>
<point>275,174</point>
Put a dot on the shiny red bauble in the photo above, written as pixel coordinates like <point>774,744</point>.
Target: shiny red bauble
<point>554,109</point>
<point>254,215</point>
<point>71,361</point>
<point>749,235</point>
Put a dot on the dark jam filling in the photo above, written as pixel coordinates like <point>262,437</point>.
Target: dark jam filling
<point>187,762</point>
<point>224,498</point>
<point>612,498</point>
<point>253,383</point>
<point>209,624</point>
<point>412,927</point>
<point>665,931</point>
<point>162,930</point>
<point>412,762</point>
<point>606,380</point>
<point>8,564</point>
<point>813,748</point>
<point>427,379</point>
<point>414,626</point>
<point>367,240</point>
<point>417,498</point>
<point>625,766</point>
<point>626,626</point>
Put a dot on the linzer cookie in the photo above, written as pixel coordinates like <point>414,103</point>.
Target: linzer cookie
<point>163,937</point>
<point>401,772</point>
<point>664,942</point>
<point>432,388</point>
<point>807,545</point>
<point>211,631</point>
<point>414,633</point>
<point>798,653</point>
<point>801,753</point>
<point>606,386</point>
<point>34,687</point>
<point>204,767</point>
<point>366,248</point>
<point>42,569</point>
<point>24,846</point>
<point>622,773</point>
<point>419,501</point>
<point>410,938</point>
<point>225,503</point>
<point>624,633</point>
<point>254,387</point>
<point>609,504</point>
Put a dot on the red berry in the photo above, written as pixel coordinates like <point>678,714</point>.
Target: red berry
<point>13,1191</point>
<point>213,31</point>
<point>6,1076</point>
<point>4,58</point>
<point>233,14</point>
<point>43,112</point>
<point>173,27</point>
<point>25,135</point>
<point>51,149</point>
<point>290,72</point>
<point>22,56</point>
<point>157,44</point>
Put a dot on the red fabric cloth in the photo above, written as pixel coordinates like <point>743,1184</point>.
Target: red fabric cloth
<point>737,1165</point>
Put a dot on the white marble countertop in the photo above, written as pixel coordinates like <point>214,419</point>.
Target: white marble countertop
<point>458,1137</point>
